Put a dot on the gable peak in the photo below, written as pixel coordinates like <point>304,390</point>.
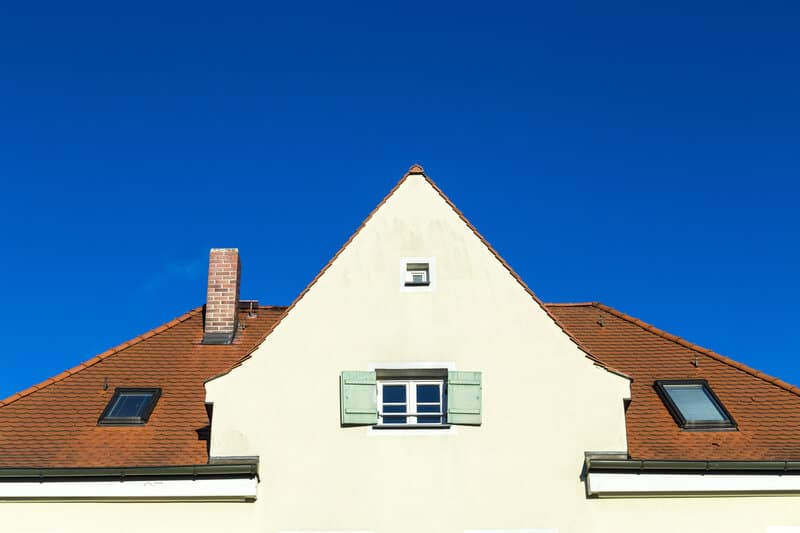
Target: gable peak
<point>416,168</point>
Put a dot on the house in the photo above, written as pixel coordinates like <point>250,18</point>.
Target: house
<point>416,384</point>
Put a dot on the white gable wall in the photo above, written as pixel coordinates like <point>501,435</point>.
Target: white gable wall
<point>544,401</point>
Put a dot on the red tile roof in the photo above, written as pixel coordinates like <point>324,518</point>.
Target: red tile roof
<point>54,424</point>
<point>766,409</point>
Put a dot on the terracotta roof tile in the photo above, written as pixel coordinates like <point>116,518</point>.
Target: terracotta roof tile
<point>766,409</point>
<point>54,423</point>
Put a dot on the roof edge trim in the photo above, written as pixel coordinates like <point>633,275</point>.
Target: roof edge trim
<point>636,465</point>
<point>697,348</point>
<point>97,358</point>
<point>181,471</point>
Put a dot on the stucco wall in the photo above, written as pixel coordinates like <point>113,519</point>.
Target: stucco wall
<point>667,515</point>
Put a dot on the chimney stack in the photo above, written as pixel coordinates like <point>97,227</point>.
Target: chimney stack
<point>222,302</point>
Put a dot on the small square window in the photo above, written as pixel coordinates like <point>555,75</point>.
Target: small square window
<point>130,407</point>
<point>417,275</point>
<point>694,405</point>
<point>412,402</point>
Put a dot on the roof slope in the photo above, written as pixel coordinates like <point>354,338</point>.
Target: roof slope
<point>54,424</point>
<point>767,410</point>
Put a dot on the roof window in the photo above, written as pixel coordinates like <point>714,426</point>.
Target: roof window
<point>130,407</point>
<point>694,405</point>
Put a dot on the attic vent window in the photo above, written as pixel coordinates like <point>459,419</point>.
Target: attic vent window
<point>694,405</point>
<point>129,407</point>
<point>417,275</point>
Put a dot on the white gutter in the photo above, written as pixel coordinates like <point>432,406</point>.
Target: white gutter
<point>222,489</point>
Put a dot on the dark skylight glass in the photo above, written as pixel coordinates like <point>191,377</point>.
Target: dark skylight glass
<point>694,405</point>
<point>130,406</point>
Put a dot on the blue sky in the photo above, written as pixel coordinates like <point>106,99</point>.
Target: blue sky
<point>643,156</point>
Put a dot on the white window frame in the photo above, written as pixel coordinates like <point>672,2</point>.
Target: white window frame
<point>411,403</point>
<point>405,262</point>
<point>404,431</point>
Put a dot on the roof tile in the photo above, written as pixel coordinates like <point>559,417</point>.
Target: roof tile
<point>54,423</point>
<point>766,409</point>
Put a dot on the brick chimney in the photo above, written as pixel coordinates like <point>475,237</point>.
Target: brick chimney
<point>222,302</point>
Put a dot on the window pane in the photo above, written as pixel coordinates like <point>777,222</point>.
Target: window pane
<point>429,419</point>
<point>130,405</point>
<point>394,419</point>
<point>695,403</point>
<point>429,408</point>
<point>427,393</point>
<point>394,408</point>
<point>394,394</point>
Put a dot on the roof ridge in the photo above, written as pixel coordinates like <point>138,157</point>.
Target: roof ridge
<point>697,348</point>
<point>417,170</point>
<point>100,357</point>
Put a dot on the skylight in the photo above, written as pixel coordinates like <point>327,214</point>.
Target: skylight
<point>130,407</point>
<point>694,405</point>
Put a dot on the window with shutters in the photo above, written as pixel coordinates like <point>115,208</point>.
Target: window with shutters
<point>410,398</point>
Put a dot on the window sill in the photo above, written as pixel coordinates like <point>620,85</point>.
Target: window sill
<point>391,431</point>
<point>411,426</point>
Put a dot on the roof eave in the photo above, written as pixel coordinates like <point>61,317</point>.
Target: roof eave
<point>593,464</point>
<point>240,469</point>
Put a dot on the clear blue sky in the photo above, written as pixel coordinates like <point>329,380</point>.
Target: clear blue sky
<point>644,156</point>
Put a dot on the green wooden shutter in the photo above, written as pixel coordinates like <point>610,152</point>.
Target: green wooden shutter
<point>464,398</point>
<point>359,398</point>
